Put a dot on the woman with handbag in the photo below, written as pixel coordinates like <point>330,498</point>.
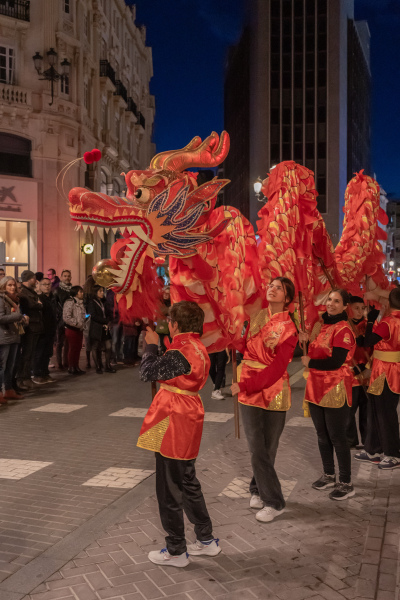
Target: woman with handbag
<point>99,332</point>
<point>74,315</point>
<point>11,328</point>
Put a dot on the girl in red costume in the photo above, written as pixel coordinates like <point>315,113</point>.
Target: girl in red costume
<point>264,393</point>
<point>328,393</point>
<point>384,389</point>
<point>172,429</point>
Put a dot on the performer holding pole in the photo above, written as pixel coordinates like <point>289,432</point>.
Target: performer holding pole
<point>361,372</point>
<point>264,393</point>
<point>384,389</point>
<point>328,393</point>
<point>172,429</point>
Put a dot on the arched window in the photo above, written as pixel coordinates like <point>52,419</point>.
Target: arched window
<point>15,155</point>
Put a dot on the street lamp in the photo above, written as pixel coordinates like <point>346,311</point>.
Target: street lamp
<point>51,74</point>
<point>257,185</point>
<point>391,263</point>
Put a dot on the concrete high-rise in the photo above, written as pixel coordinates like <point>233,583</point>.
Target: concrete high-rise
<point>308,99</point>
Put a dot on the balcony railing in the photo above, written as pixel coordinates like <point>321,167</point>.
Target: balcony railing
<point>121,90</point>
<point>132,106</point>
<point>106,70</point>
<point>17,9</point>
<point>142,120</point>
<point>12,94</point>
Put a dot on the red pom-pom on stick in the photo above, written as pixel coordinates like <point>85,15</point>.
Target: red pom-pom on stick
<point>96,153</point>
<point>88,158</point>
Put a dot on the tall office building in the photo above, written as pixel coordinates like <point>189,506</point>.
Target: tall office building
<point>308,98</point>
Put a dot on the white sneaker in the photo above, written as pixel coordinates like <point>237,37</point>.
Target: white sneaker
<point>267,514</point>
<point>199,548</point>
<point>256,502</point>
<point>164,558</point>
<point>217,395</point>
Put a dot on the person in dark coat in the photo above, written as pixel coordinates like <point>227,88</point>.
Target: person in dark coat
<point>11,325</point>
<point>44,348</point>
<point>99,334</point>
<point>31,306</point>
<point>62,293</point>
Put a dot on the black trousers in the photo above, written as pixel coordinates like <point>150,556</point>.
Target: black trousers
<point>44,351</point>
<point>263,429</point>
<point>383,424</point>
<point>330,424</point>
<point>178,490</point>
<point>217,368</point>
<point>28,348</point>
<point>360,403</point>
<point>61,347</point>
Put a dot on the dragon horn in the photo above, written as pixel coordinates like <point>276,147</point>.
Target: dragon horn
<point>208,154</point>
<point>157,161</point>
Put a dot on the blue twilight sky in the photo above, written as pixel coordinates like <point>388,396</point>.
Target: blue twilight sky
<point>189,40</point>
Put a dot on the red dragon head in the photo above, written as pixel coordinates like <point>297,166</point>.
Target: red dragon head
<point>164,213</point>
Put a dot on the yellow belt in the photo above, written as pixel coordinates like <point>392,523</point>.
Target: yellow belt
<point>172,388</point>
<point>387,356</point>
<point>254,364</point>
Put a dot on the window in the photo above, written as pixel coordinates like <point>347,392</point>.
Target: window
<point>7,65</point>
<point>15,155</point>
<point>65,85</point>
<point>86,26</point>
<point>67,6</point>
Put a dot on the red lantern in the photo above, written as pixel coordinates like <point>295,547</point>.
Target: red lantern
<point>159,260</point>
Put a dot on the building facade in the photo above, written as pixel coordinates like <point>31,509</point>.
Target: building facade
<point>393,238</point>
<point>102,101</point>
<point>308,98</point>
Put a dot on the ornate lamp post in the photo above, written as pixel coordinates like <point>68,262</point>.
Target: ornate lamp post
<point>51,74</point>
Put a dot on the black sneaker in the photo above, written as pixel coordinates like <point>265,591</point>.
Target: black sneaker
<point>324,482</point>
<point>342,491</point>
<point>363,456</point>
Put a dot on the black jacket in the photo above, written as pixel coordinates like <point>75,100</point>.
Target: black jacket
<point>98,319</point>
<point>29,305</point>
<point>50,313</point>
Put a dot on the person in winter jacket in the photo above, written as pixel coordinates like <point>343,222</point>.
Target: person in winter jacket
<point>99,333</point>
<point>74,316</point>
<point>11,324</point>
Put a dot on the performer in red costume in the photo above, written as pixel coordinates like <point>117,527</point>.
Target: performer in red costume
<point>264,393</point>
<point>328,393</point>
<point>361,372</point>
<point>172,429</point>
<point>384,386</point>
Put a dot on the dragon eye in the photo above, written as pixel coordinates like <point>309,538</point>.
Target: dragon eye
<point>142,194</point>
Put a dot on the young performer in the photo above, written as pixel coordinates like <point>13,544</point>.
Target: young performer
<point>172,429</point>
<point>384,387</point>
<point>359,369</point>
<point>328,393</point>
<point>264,393</point>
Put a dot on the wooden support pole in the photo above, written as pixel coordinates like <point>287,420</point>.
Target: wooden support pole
<point>235,398</point>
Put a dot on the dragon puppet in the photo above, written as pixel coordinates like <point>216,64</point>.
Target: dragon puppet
<point>214,256</point>
<point>166,213</point>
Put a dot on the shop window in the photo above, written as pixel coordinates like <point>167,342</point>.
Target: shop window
<point>14,236</point>
<point>7,64</point>
<point>15,155</point>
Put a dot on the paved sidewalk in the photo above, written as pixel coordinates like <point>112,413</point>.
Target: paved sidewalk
<point>318,549</point>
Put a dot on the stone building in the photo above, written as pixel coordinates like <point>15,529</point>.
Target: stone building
<point>101,101</point>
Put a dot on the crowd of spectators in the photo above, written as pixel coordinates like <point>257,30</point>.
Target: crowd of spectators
<point>45,316</point>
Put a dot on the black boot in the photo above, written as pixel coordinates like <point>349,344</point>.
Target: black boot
<point>97,362</point>
<point>109,368</point>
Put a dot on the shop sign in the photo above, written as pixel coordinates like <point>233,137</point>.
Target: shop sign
<point>18,199</point>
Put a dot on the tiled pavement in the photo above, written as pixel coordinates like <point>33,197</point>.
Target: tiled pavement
<point>62,455</point>
<point>318,549</point>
